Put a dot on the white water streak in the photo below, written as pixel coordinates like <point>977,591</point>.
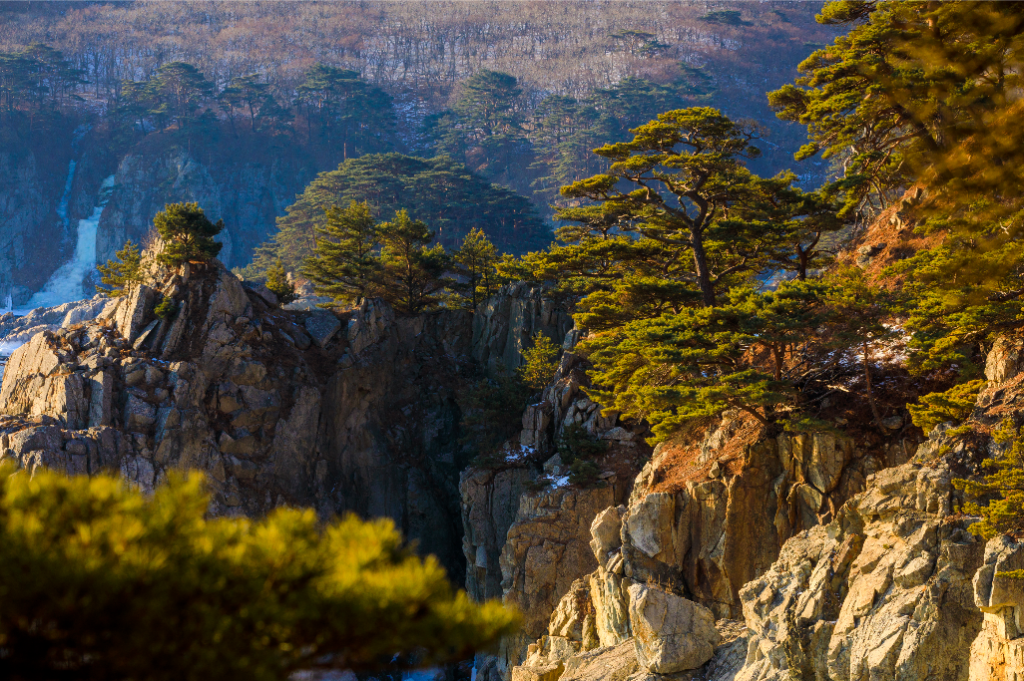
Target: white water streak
<point>65,285</point>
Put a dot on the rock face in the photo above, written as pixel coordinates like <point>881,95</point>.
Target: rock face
<point>884,591</point>
<point>353,412</point>
<point>709,515</point>
<point>490,501</point>
<point>672,634</point>
<point>547,549</point>
<point>248,191</point>
<point>848,563</point>
<point>506,323</point>
<point>998,651</point>
<point>32,186</point>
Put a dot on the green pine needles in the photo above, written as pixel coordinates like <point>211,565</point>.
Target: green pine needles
<point>92,572</point>
<point>117,274</point>
<point>539,362</point>
<point>357,257</point>
<point>1001,491</point>
<point>187,234</point>
<point>278,284</point>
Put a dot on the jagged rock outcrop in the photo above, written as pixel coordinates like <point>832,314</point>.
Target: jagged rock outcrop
<point>672,634</point>
<point>547,549</point>
<point>884,591</point>
<point>357,411</point>
<point>608,627</point>
<point>878,579</point>
<point>998,651</point>
<point>709,514</point>
<point>505,324</point>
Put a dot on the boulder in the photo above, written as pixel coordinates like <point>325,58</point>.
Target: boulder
<point>610,663</point>
<point>322,325</point>
<point>882,592</point>
<point>606,533</point>
<point>671,633</point>
<point>998,651</point>
<point>993,591</point>
<point>261,290</point>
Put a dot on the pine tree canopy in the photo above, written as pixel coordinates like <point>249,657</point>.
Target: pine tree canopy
<point>117,274</point>
<point>439,191</point>
<point>929,94</point>
<point>187,234</point>
<point>411,268</point>
<point>344,264</point>
<point>676,221</point>
<point>473,267</point>
<point>99,581</point>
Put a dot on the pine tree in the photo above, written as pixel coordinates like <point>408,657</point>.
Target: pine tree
<point>676,221</point>
<point>439,191</point>
<point>928,93</point>
<point>278,284</point>
<point>93,571</point>
<point>179,90</point>
<point>474,263</point>
<point>411,271</point>
<point>351,115</point>
<point>539,362</point>
<point>484,128</point>
<point>955,404</point>
<point>249,94</point>
<point>1002,488</point>
<point>117,274</point>
<point>344,264</point>
<point>187,234</point>
<point>677,367</point>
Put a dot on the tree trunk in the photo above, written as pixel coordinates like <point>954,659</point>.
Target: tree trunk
<point>700,264</point>
<point>867,380</point>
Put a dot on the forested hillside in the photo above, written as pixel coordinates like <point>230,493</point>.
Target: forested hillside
<point>210,101</point>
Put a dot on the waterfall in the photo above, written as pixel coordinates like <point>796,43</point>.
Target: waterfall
<point>62,206</point>
<point>65,285</point>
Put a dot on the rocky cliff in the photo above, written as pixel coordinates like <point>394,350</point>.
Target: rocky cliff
<point>248,189</point>
<point>729,553</point>
<point>356,411</point>
<point>879,578</point>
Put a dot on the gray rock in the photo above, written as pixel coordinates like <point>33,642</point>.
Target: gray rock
<point>133,312</point>
<point>261,290</point>
<point>139,415</point>
<point>322,325</point>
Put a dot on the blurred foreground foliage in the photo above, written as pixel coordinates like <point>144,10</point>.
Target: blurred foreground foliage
<point>99,581</point>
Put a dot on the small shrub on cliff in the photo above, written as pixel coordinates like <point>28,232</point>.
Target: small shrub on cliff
<point>1000,495</point>
<point>277,282</point>
<point>117,274</point>
<point>576,444</point>
<point>955,404</point>
<point>577,448</point>
<point>165,308</point>
<point>187,234</point>
<point>99,581</point>
<point>541,362</point>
